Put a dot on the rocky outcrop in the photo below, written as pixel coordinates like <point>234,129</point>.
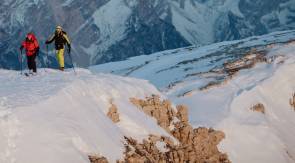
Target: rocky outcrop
<point>248,61</point>
<point>162,111</point>
<point>292,101</point>
<point>152,151</point>
<point>113,113</point>
<point>188,144</point>
<point>230,68</point>
<point>258,108</point>
<point>97,159</point>
<point>195,145</point>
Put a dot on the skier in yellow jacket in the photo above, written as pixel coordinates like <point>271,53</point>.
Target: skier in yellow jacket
<point>60,37</point>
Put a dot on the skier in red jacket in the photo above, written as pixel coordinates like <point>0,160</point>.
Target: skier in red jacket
<point>32,50</point>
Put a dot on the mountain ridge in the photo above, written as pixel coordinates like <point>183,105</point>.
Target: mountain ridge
<point>244,88</point>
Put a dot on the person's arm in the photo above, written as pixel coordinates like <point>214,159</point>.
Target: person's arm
<point>50,40</point>
<point>37,51</point>
<point>37,47</point>
<point>68,42</point>
<point>67,39</point>
<point>36,44</point>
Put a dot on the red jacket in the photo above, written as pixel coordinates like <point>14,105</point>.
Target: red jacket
<point>30,44</point>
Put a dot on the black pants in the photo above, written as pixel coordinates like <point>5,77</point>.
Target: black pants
<point>32,63</point>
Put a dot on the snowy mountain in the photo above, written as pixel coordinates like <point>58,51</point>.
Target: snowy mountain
<point>244,88</point>
<point>63,117</point>
<point>112,30</point>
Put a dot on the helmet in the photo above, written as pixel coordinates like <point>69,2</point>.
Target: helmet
<point>58,27</point>
<point>30,36</point>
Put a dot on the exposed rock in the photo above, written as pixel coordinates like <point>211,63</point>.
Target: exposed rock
<point>230,69</point>
<point>162,111</point>
<point>248,61</point>
<point>202,149</point>
<point>258,108</point>
<point>113,113</point>
<point>97,159</point>
<point>290,156</point>
<point>292,101</point>
<point>211,85</point>
<point>187,93</point>
<point>195,145</point>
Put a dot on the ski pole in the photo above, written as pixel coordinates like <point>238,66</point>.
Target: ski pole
<point>46,62</point>
<point>39,60</point>
<point>21,61</point>
<point>72,63</point>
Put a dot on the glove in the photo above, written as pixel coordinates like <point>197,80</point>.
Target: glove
<point>37,51</point>
<point>69,48</point>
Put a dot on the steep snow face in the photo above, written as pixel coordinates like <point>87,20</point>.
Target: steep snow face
<point>196,20</point>
<point>227,107</point>
<point>111,20</point>
<point>204,22</point>
<point>60,117</point>
<point>271,134</point>
<point>251,136</point>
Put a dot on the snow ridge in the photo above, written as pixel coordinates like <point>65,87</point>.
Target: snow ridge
<point>60,117</point>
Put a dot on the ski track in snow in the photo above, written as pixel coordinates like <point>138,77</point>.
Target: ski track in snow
<point>31,90</point>
<point>19,91</point>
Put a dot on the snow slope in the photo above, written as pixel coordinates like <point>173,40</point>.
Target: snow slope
<point>173,66</point>
<point>61,117</point>
<point>250,136</point>
<point>272,134</point>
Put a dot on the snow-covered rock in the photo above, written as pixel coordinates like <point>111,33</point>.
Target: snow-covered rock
<point>228,104</point>
<point>68,117</point>
<point>168,68</point>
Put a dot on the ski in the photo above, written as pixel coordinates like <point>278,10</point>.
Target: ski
<point>29,74</point>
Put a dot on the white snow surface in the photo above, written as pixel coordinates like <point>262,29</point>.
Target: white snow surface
<point>250,136</point>
<point>61,117</point>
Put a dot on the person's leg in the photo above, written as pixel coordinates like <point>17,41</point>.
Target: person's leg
<point>34,67</point>
<point>29,61</point>
<point>60,58</point>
